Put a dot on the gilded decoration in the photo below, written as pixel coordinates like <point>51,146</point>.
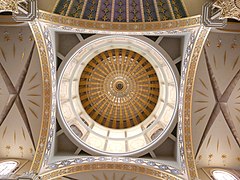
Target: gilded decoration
<point>45,139</point>
<point>108,166</point>
<point>35,165</point>
<point>9,5</point>
<point>119,88</point>
<point>39,155</point>
<point>120,160</point>
<point>186,60</point>
<point>187,102</point>
<point>114,77</point>
<point>23,10</point>
<point>46,118</point>
<point>47,97</point>
<point>230,8</point>
<point>120,28</point>
<point>122,10</point>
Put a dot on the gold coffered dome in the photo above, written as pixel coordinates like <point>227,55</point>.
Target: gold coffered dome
<point>116,99</point>
<point>119,88</point>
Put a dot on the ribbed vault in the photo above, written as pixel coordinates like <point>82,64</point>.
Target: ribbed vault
<point>122,10</point>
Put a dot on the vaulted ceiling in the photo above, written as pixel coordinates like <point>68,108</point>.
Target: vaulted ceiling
<point>215,116</point>
<point>216,103</point>
<point>124,11</point>
<point>20,93</point>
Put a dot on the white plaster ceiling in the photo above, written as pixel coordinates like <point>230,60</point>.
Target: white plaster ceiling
<point>216,103</point>
<point>20,93</point>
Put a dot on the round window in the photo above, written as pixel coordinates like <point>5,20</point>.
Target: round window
<point>222,175</point>
<point>7,167</point>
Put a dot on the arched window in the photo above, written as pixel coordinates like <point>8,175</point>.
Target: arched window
<point>223,175</point>
<point>7,167</point>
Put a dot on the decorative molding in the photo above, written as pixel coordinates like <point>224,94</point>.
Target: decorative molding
<point>120,160</point>
<point>229,8</point>
<point>28,176</point>
<point>27,11</point>
<point>48,140</point>
<point>215,14</point>
<point>211,16</point>
<point>9,5</point>
<point>188,50</point>
<point>47,96</point>
<point>185,62</point>
<point>119,27</point>
<point>52,129</point>
<point>187,89</point>
<point>183,148</point>
<point>22,10</point>
<point>78,168</point>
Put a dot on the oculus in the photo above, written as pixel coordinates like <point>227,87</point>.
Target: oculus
<point>117,96</point>
<point>222,175</point>
<point>119,88</point>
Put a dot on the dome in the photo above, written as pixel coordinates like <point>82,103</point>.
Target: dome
<point>121,10</point>
<point>119,88</point>
<point>116,99</point>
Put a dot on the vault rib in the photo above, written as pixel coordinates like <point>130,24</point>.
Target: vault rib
<point>228,119</point>
<point>221,104</point>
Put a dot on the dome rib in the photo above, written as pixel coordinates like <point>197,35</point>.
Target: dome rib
<point>122,10</point>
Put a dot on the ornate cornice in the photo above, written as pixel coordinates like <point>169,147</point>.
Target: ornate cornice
<point>229,8</point>
<point>83,160</point>
<point>47,96</point>
<point>122,27</point>
<point>9,5</point>
<point>78,168</point>
<point>22,10</point>
<point>187,102</point>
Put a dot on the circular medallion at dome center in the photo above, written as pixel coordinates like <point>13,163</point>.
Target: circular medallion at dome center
<point>119,88</point>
